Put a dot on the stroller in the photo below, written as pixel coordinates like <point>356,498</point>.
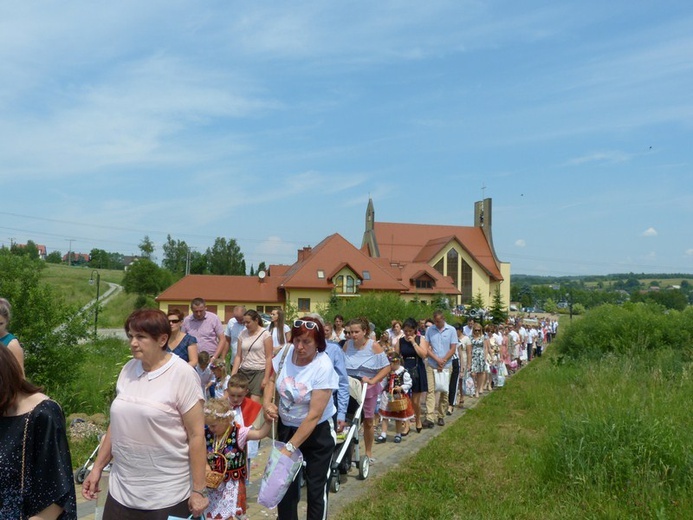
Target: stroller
<point>347,448</point>
<point>82,472</point>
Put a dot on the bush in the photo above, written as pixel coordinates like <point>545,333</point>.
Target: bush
<point>380,309</point>
<point>629,328</point>
<point>49,330</point>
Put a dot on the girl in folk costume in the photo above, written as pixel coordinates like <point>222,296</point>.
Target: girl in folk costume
<point>226,455</point>
<point>396,386</point>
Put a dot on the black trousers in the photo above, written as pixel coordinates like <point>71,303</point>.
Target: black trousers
<point>454,382</point>
<point>317,451</point>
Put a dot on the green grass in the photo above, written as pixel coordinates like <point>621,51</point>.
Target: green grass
<point>72,283</point>
<point>560,440</point>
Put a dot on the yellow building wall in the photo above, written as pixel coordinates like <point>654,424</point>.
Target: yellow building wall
<point>165,305</point>
<point>481,282</point>
<point>319,298</point>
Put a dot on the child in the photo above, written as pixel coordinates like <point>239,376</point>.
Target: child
<point>247,411</point>
<point>396,386</point>
<point>205,372</point>
<point>224,436</point>
<point>221,379</point>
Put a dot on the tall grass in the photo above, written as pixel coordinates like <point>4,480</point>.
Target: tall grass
<point>579,433</point>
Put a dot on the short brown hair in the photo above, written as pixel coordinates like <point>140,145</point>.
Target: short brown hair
<point>150,321</point>
<point>239,381</point>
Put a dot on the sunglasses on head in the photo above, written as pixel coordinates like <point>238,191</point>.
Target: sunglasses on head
<point>310,325</point>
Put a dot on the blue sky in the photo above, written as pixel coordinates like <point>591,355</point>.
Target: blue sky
<point>273,122</point>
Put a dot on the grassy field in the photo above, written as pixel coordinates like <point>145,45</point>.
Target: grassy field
<point>612,440</point>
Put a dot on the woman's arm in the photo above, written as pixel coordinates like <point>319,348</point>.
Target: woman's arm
<point>192,355</point>
<point>270,408</point>
<point>194,423</point>
<point>318,402</point>
<point>237,359</point>
<point>52,512</point>
<point>90,487</point>
<point>18,352</point>
<point>422,349</point>
<point>268,345</point>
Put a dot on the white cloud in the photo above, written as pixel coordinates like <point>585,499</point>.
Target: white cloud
<point>650,232</point>
<point>689,252</point>
<point>610,156</point>
<point>520,243</point>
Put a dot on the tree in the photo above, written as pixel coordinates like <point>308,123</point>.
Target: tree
<point>98,258</point>
<point>50,330</point>
<point>175,255</point>
<point>198,263</point>
<point>477,301</point>
<point>146,247</point>
<point>225,257</point>
<point>146,278</point>
<point>30,249</point>
<point>54,257</point>
<point>262,266</point>
<point>499,313</point>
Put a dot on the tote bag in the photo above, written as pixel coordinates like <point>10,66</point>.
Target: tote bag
<point>442,380</point>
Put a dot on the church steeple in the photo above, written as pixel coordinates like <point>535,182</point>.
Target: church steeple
<point>369,242</point>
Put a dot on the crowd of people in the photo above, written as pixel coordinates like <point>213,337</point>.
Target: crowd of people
<point>196,398</point>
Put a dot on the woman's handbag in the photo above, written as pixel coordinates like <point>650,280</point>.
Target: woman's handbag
<point>469,387</point>
<point>280,472</point>
<point>442,380</point>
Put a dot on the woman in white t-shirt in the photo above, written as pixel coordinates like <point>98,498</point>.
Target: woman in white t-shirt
<point>254,354</point>
<point>305,379</point>
<point>156,436</point>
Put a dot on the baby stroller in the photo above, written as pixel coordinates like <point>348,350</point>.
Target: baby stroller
<point>82,472</point>
<point>347,448</point>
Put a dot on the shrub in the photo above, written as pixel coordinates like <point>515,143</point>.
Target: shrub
<point>629,328</point>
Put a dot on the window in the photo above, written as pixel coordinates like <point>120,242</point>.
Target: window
<point>439,266</point>
<point>466,283</point>
<point>366,275</point>
<point>423,284</point>
<point>453,258</point>
<point>321,274</point>
<point>304,304</point>
<point>344,284</point>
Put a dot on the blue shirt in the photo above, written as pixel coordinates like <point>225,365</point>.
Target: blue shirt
<point>336,354</point>
<point>441,341</point>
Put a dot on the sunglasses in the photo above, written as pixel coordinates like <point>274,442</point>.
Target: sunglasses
<point>174,321</point>
<point>310,325</point>
<point>477,330</point>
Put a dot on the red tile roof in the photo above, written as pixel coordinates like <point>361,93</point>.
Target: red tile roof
<point>328,255</point>
<point>406,243</point>
<point>224,288</point>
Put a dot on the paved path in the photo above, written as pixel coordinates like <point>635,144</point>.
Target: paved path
<point>387,455</point>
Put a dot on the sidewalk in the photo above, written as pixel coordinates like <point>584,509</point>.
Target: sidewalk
<point>387,455</point>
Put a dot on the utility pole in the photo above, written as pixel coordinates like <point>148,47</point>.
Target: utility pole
<point>69,253</point>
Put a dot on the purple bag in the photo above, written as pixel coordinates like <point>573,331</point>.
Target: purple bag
<point>280,472</point>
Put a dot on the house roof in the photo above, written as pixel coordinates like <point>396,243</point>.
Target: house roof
<point>406,243</point>
<point>329,256</point>
<point>224,288</point>
<point>414,270</point>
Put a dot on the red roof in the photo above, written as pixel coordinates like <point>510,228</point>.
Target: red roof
<point>224,288</point>
<point>407,243</point>
<point>329,256</point>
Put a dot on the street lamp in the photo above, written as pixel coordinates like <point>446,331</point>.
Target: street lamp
<point>96,306</point>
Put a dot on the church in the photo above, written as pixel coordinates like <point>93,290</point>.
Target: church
<point>416,261</point>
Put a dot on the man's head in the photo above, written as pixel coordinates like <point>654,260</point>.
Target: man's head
<point>439,319</point>
<point>238,312</point>
<point>199,308</point>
